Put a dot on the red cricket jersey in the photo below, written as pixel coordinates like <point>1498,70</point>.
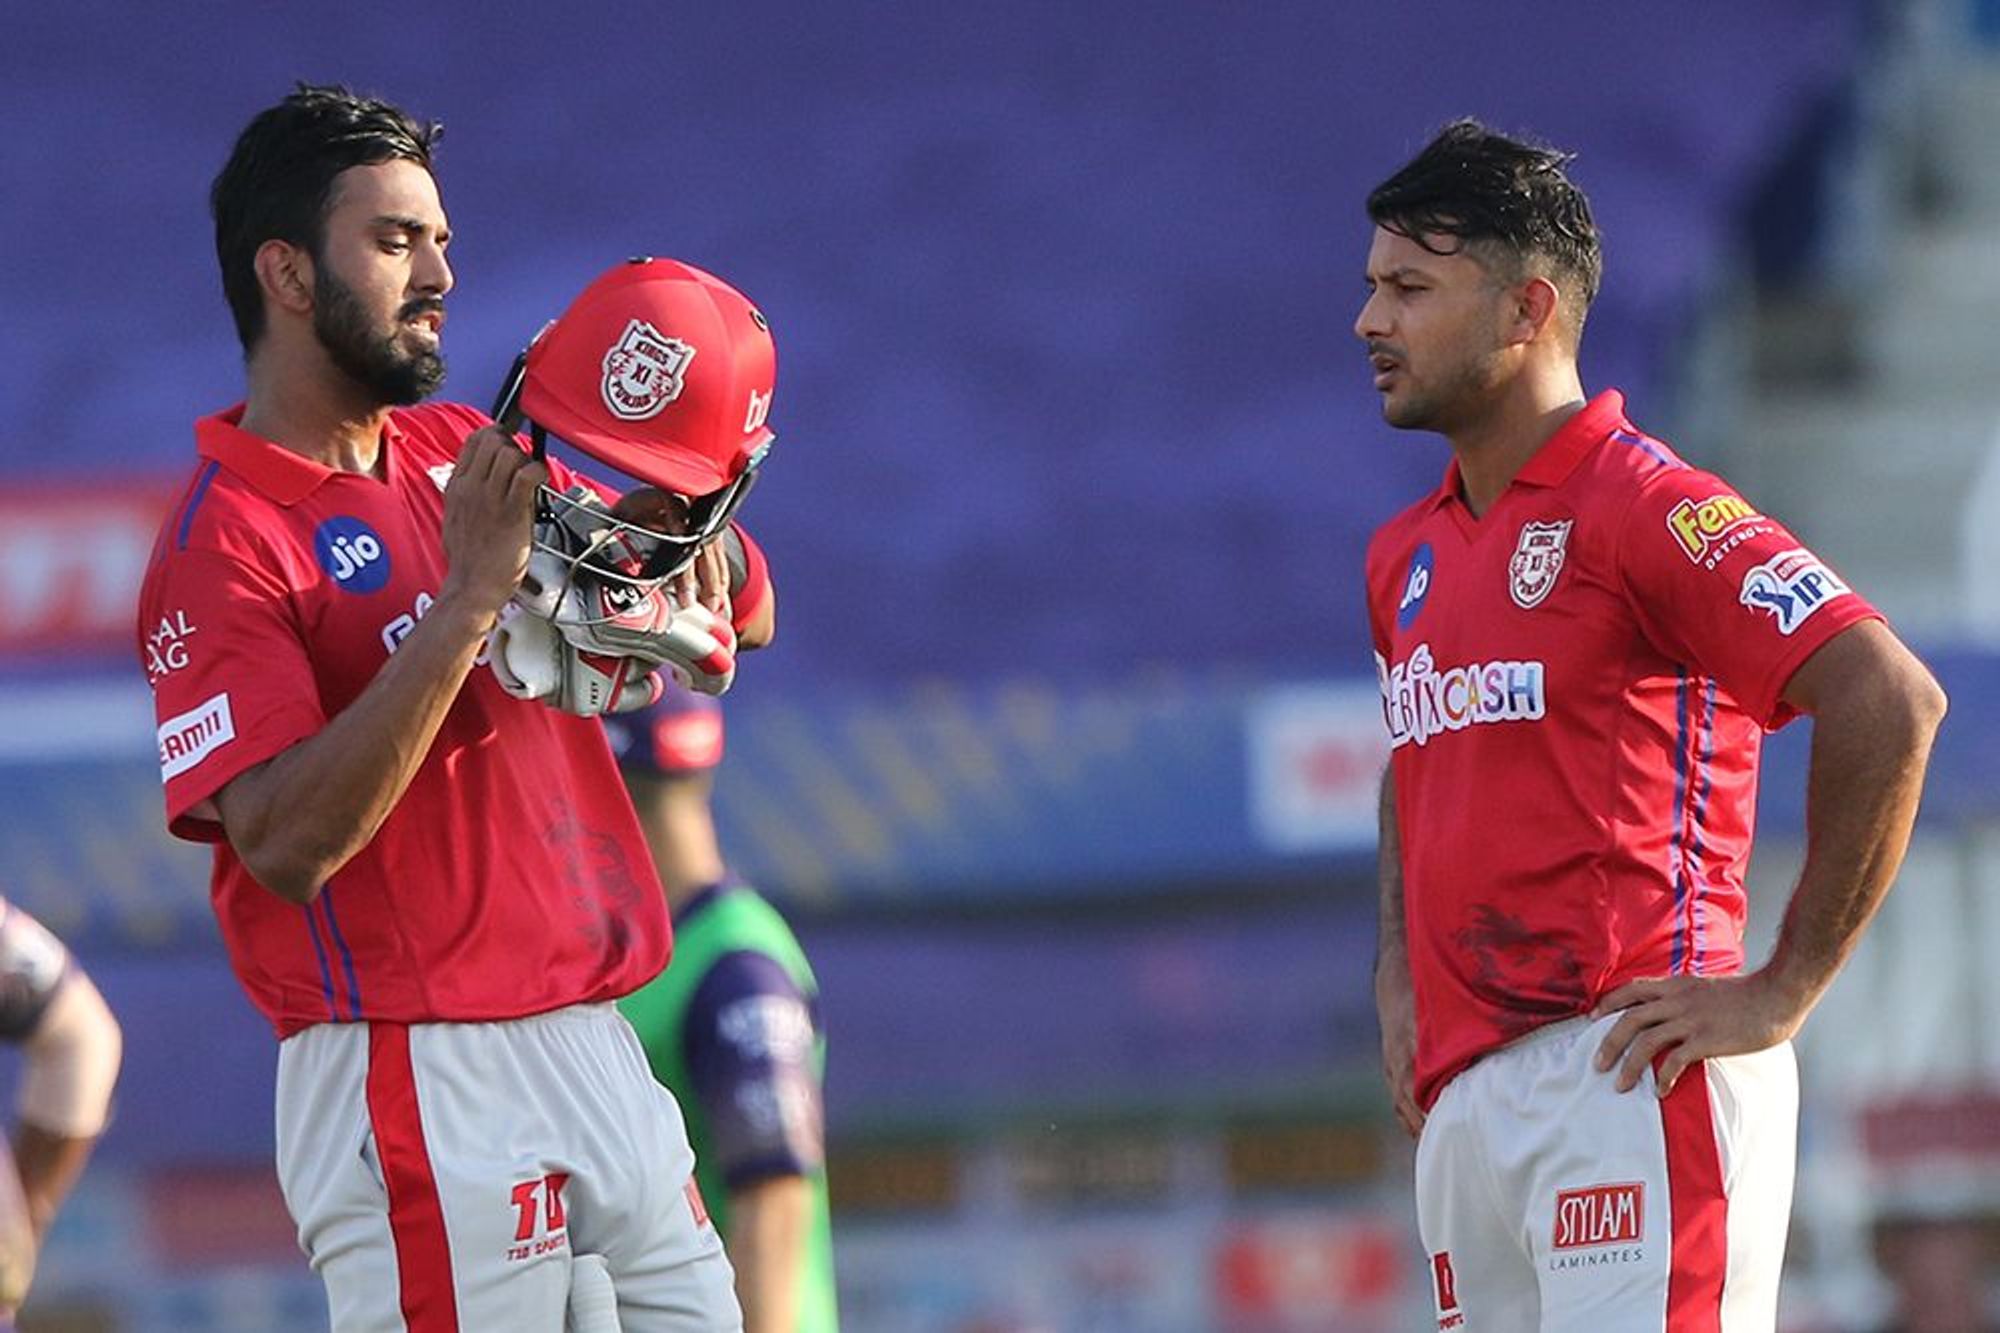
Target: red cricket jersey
<point>511,878</point>
<point>1576,686</point>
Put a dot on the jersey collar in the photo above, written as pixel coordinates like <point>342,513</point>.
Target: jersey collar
<point>1561,452</point>
<point>280,474</point>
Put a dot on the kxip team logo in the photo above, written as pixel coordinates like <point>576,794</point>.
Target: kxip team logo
<point>352,554</point>
<point>1538,559</point>
<point>644,371</point>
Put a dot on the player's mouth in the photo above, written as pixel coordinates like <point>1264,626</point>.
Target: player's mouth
<point>427,318</point>
<point>1385,369</point>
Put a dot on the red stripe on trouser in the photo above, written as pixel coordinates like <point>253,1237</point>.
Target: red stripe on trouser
<point>1700,1209</point>
<point>416,1215</point>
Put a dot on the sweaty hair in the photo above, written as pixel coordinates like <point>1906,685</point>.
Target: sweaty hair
<point>279,180</point>
<point>1507,203</point>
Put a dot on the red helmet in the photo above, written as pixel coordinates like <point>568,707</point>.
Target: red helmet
<point>659,370</point>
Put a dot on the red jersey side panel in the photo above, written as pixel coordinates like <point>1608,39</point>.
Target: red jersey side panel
<point>510,879</point>
<point>1576,685</point>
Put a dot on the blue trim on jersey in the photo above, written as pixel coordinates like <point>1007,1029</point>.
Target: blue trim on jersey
<point>1706,767</point>
<point>346,955</point>
<point>194,503</point>
<point>325,972</point>
<point>1676,851</point>
<point>1647,447</point>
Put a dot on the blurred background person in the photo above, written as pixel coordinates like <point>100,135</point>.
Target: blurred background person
<point>71,1048</point>
<point>733,1027</point>
<point>1938,1267</point>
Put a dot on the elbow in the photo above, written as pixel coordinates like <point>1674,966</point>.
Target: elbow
<point>1933,705</point>
<point>1908,707</point>
<point>1923,701</point>
<point>289,872</point>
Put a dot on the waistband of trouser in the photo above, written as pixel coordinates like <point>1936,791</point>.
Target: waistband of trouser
<point>1546,1033</point>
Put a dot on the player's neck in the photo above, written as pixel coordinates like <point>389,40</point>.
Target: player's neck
<point>684,879</point>
<point>1493,447</point>
<point>314,410</point>
<point>686,851</point>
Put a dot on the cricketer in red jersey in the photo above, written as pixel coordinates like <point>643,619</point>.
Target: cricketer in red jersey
<point>432,889</point>
<point>1581,640</point>
<point>268,542</point>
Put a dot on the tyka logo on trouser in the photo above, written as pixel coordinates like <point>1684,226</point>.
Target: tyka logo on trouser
<point>540,1223</point>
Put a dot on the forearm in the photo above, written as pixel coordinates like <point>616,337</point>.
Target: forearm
<point>49,1164</point>
<point>769,1224</point>
<point>73,1057</point>
<point>1870,747</point>
<point>18,1249</point>
<point>298,818</point>
<point>1392,956</point>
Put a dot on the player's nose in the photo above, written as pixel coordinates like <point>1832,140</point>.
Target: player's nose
<point>432,275</point>
<point>1368,322</point>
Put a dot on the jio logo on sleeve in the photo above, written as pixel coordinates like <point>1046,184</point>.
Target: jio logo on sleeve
<point>352,554</point>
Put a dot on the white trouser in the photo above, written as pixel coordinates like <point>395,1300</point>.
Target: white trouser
<point>1549,1200</point>
<point>442,1175</point>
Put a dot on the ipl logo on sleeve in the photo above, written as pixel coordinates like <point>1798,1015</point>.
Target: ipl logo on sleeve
<point>1538,558</point>
<point>1790,587</point>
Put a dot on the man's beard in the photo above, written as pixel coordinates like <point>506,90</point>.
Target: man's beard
<point>374,360</point>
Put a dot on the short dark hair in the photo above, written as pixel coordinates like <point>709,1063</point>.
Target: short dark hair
<point>279,180</point>
<point>1508,202</point>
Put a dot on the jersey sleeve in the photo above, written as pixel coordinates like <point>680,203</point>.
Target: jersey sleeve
<point>1721,587</point>
<point>750,593</point>
<point>751,1044</point>
<point>33,966</point>
<point>232,684</point>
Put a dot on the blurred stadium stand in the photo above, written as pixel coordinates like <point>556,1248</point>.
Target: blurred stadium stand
<point>1065,759</point>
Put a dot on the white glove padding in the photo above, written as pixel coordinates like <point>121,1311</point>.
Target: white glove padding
<point>692,642</point>
<point>609,619</point>
<point>531,660</point>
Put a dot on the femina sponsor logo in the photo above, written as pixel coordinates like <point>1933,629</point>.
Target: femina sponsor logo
<point>1420,700</point>
<point>1700,526</point>
<point>192,736</point>
<point>1600,1215</point>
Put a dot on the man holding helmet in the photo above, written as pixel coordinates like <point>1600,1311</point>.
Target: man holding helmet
<point>431,885</point>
